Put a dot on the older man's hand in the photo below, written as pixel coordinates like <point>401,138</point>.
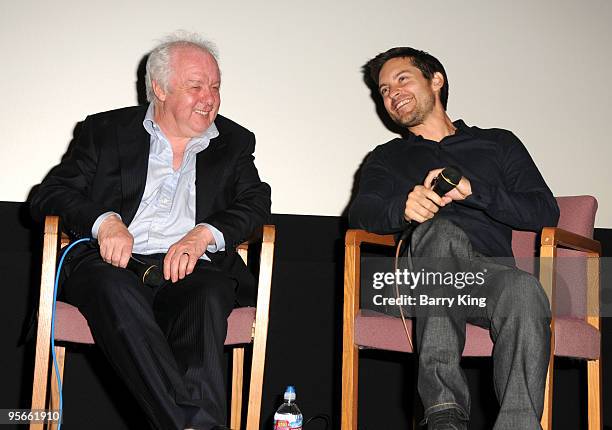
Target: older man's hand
<point>115,241</point>
<point>184,254</point>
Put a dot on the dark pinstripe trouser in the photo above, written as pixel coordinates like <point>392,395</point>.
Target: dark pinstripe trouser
<point>166,343</point>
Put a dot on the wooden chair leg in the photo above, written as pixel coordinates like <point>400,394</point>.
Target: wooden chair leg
<point>256,386</point>
<point>41,374</point>
<point>60,355</point>
<point>594,387</point>
<point>350,384</point>
<point>546,421</point>
<point>237,383</point>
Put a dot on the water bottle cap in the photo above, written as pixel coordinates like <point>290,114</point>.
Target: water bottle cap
<point>290,393</point>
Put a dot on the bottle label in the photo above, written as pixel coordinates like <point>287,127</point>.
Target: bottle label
<point>287,422</point>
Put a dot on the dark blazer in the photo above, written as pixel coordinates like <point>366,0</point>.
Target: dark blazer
<point>106,170</point>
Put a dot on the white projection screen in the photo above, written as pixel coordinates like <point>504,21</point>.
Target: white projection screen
<point>292,74</point>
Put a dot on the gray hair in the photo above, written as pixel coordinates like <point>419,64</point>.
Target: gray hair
<point>158,63</point>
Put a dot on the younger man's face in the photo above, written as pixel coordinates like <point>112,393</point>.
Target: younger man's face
<point>408,97</point>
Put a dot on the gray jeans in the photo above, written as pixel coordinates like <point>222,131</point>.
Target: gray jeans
<point>517,313</point>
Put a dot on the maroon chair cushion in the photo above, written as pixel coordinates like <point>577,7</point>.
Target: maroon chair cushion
<point>574,338</point>
<point>240,326</point>
<point>377,330</point>
<point>71,326</point>
<point>370,324</point>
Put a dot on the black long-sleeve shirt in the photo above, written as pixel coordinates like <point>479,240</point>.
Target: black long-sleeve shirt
<point>508,191</point>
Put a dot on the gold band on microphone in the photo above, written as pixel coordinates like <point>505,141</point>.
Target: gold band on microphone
<point>448,180</point>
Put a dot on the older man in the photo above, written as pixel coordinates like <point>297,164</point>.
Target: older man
<point>458,232</point>
<point>172,184</point>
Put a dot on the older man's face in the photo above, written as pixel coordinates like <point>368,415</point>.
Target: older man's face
<point>190,104</point>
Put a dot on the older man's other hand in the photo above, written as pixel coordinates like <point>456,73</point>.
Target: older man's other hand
<point>115,241</point>
<point>184,254</point>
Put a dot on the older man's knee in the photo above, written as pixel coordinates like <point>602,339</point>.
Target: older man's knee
<point>101,285</point>
<point>214,288</point>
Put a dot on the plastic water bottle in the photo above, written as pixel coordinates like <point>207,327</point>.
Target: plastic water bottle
<point>288,415</point>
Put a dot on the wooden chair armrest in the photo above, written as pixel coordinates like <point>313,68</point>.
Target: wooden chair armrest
<point>266,260</point>
<point>51,237</point>
<point>268,233</point>
<point>264,233</point>
<point>356,237</point>
<point>52,223</point>
<point>352,268</point>
<point>554,236</point>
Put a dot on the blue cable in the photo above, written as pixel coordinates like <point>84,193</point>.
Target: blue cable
<point>59,380</point>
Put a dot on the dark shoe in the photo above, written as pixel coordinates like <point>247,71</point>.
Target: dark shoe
<point>446,419</point>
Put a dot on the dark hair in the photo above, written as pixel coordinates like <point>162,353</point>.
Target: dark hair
<point>426,63</point>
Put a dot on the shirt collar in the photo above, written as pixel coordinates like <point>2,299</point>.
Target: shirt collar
<point>462,132</point>
<point>462,127</point>
<point>198,143</point>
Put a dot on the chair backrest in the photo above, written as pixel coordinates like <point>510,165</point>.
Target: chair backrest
<point>577,215</point>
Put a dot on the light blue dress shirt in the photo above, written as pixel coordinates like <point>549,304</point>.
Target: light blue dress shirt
<point>167,209</point>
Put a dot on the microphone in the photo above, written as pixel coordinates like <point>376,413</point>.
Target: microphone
<point>447,180</point>
<point>149,274</point>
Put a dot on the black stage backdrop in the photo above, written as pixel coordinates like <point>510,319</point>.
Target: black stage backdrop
<point>304,343</point>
